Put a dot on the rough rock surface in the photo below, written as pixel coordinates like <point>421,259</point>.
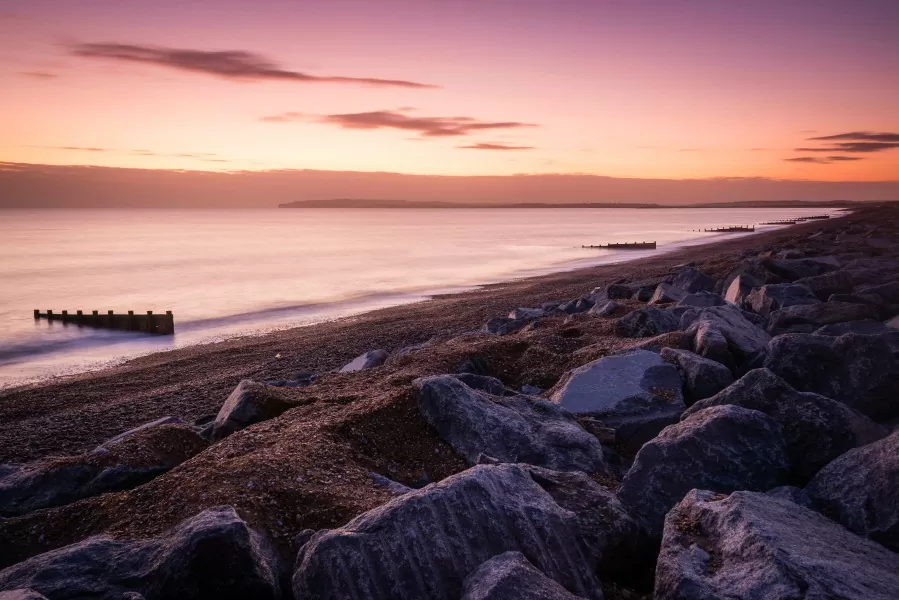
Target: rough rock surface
<point>806,318</point>
<point>424,544</point>
<point>25,594</point>
<point>701,299</point>
<point>793,494</point>
<point>723,448</point>
<point>860,490</point>
<point>816,429</point>
<point>857,370</point>
<point>800,268</point>
<point>526,313</point>
<point>665,293</point>
<point>605,310</point>
<point>692,280</point>
<point>647,321</point>
<point>128,462</point>
<point>823,286</point>
<point>739,288</point>
<point>211,555</point>
<point>753,546</point>
<point>636,393</point>
<point>249,403</point>
<point>161,421</point>
<point>505,325</point>
<point>485,383</point>
<point>518,429</point>
<point>889,334</point>
<point>509,576</point>
<point>723,334</point>
<point>768,298</point>
<point>369,360</point>
<point>702,377</point>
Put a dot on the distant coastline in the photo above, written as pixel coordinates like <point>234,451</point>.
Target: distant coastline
<point>363,203</point>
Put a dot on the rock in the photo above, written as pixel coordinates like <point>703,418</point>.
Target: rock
<point>701,299</point>
<point>161,421</point>
<point>605,310</point>
<point>250,402</point>
<point>723,334</point>
<point>426,543</point>
<point>491,385</point>
<point>693,280</point>
<point>644,293</point>
<point>739,288</point>
<point>672,339</point>
<point>576,306</point>
<point>723,448</point>
<point>702,377</point>
<point>816,429</point>
<point>637,394</point>
<point>124,464</point>
<point>526,313</point>
<point>888,292</point>
<point>509,576</point>
<point>860,490</point>
<point>857,370</point>
<point>627,291</point>
<point>799,268</point>
<point>397,489</point>
<point>505,325</point>
<point>646,322</point>
<point>768,298</point>
<point>792,494</point>
<point>369,360</point>
<point>823,286</point>
<point>531,390</point>
<point>665,293</point>
<point>211,555</point>
<point>805,318</point>
<point>864,328</point>
<point>892,323</point>
<point>754,546</point>
<point>515,429</point>
<point>25,594</point>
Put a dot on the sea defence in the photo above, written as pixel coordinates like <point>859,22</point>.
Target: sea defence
<point>161,324</point>
<point>626,246</point>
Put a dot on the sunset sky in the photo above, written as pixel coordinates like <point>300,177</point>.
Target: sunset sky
<point>673,89</point>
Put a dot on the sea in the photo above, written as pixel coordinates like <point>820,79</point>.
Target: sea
<point>230,273</point>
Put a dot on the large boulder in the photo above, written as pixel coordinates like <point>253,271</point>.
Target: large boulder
<point>509,576</point>
<point>636,393</point>
<point>119,464</point>
<point>723,448</point>
<point>739,288</point>
<point>725,335</point>
<point>773,297</point>
<point>888,292</point>
<point>250,402</point>
<point>799,268</point>
<point>816,429</point>
<point>211,555</point>
<point>889,334</point>
<point>702,377</point>
<point>823,286</point>
<point>806,318</point>
<point>857,370</point>
<point>526,313</point>
<point>646,321</point>
<point>426,543</point>
<point>701,299</point>
<point>606,309</point>
<point>512,429</point>
<point>25,594</point>
<point>860,490</point>
<point>369,360</point>
<point>505,325</point>
<point>754,546</point>
<point>693,280</point>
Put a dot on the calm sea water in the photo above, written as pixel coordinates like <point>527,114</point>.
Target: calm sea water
<point>229,273</point>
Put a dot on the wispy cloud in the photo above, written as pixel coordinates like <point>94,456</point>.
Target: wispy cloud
<point>203,156</point>
<point>424,126</point>
<point>860,136</point>
<point>490,146</point>
<point>852,147</point>
<point>816,160</point>
<point>287,117</point>
<point>237,65</point>
<point>855,142</point>
<point>39,74</point>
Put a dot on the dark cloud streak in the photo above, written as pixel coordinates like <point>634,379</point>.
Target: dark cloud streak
<point>860,136</point>
<point>489,146</point>
<point>425,126</point>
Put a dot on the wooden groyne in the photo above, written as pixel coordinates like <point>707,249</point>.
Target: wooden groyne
<point>781,222</point>
<point>731,228</point>
<point>161,324</point>
<point>626,246</point>
<point>813,218</point>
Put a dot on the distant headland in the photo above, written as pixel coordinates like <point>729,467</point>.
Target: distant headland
<point>364,203</point>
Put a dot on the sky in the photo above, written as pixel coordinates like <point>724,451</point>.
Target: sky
<point>648,89</point>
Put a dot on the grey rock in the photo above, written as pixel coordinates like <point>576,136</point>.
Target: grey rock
<point>754,546</point>
<point>772,297</point>
<point>25,594</point>
<point>250,402</point>
<point>491,385</point>
<point>644,292</point>
<point>531,390</point>
<point>605,310</point>
<point>637,394</point>
<point>646,322</point>
<point>740,287</point>
<point>857,370</point>
<point>864,328</point>
<point>397,489</point>
<point>576,306</point>
<point>701,299</point>
<point>693,280</point>
<point>889,292</point>
<point>823,286</point>
<point>723,448</point>
<point>211,555</point>
<point>816,429</point>
<point>369,360</point>
<point>666,293</point>
<point>860,490</point>
<point>511,429</point>
<point>505,325</point>
<point>799,268</point>
<point>806,318</point>
<point>792,494</point>
<point>723,334</point>
<point>426,543</point>
<point>509,576</point>
<point>702,377</point>
<point>526,313</point>
<point>892,323</point>
<point>161,421</point>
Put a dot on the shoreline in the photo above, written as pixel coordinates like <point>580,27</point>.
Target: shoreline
<point>193,381</point>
